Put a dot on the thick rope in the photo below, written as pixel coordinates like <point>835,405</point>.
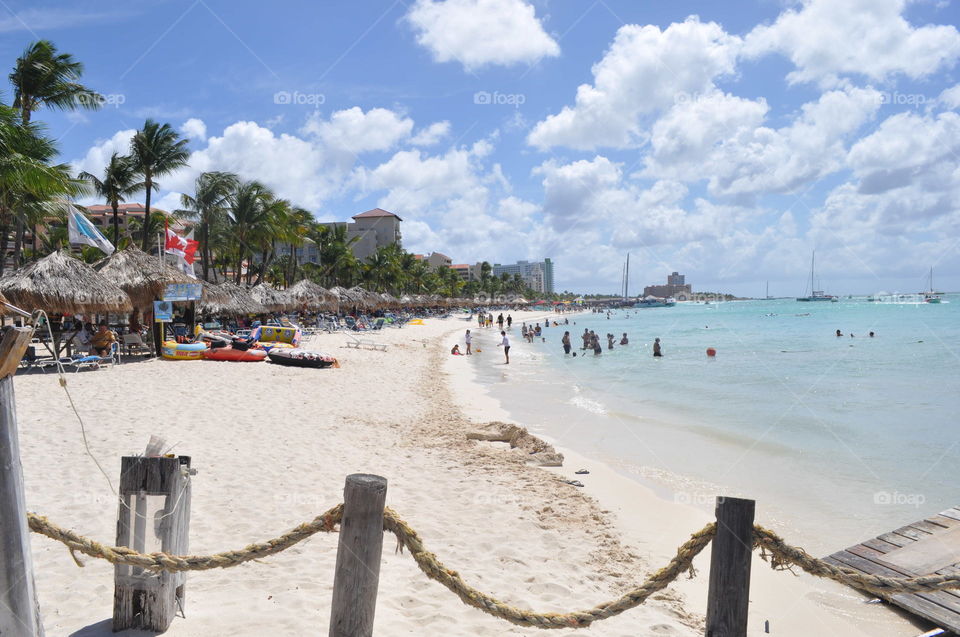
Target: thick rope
<point>432,567</point>
<point>166,562</point>
<point>782,556</point>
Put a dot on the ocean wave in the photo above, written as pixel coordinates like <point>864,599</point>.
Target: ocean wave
<point>587,404</point>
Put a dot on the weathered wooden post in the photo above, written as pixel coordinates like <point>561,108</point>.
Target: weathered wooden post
<point>358,556</point>
<point>19,608</point>
<point>728,597</point>
<point>154,515</point>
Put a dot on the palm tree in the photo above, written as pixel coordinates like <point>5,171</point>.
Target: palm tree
<point>119,181</point>
<point>156,150</point>
<point>250,213</point>
<point>29,185</point>
<point>44,77</point>
<point>336,254</point>
<point>208,206</point>
<point>485,270</point>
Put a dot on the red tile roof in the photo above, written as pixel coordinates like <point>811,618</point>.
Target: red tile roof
<point>460,266</point>
<point>376,212</point>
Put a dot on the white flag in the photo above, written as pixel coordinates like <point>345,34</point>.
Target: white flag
<point>81,230</point>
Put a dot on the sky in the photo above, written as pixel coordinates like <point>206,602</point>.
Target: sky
<point>723,140</point>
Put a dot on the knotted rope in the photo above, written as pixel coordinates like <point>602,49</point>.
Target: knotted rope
<point>781,554</point>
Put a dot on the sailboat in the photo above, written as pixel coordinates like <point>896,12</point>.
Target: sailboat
<point>930,296</point>
<point>816,295</point>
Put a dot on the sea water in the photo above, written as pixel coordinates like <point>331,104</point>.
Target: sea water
<point>838,439</point>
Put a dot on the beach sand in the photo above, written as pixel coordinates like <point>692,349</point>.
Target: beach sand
<point>272,446</point>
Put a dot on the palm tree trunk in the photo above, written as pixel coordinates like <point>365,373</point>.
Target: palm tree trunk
<point>18,243</point>
<point>4,242</point>
<point>205,251</point>
<point>148,182</point>
<point>116,224</point>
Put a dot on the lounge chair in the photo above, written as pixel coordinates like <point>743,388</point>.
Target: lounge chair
<point>133,344</point>
<point>365,343</point>
<point>96,362</point>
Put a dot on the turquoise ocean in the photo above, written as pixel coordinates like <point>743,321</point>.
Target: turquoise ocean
<point>838,439</point>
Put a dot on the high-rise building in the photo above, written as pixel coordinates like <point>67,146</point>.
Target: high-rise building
<point>537,275</point>
<point>676,279</point>
<point>676,287</point>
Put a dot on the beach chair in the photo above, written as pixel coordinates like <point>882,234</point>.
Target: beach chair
<point>133,344</point>
<point>364,343</point>
<point>95,362</point>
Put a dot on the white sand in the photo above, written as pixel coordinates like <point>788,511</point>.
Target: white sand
<point>272,446</point>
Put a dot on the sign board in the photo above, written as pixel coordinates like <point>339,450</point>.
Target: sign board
<point>162,311</point>
<point>183,292</point>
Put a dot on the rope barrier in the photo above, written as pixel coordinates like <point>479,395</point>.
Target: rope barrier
<point>782,556</point>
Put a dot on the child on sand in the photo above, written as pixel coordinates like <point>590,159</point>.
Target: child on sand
<point>468,339</point>
<point>505,343</point>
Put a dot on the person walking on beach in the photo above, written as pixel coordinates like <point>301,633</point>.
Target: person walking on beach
<point>656,348</point>
<point>500,322</point>
<point>505,343</point>
<point>509,321</point>
<point>468,339</point>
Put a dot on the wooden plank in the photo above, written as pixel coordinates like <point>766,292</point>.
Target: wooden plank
<point>912,533</point>
<point>894,538</point>
<point>929,554</point>
<point>949,598</point>
<point>929,526</point>
<point>943,521</point>
<point>879,545</point>
<point>918,604</point>
<point>14,344</point>
<point>357,573</point>
<point>143,599</point>
<point>19,608</point>
<point>728,593</point>
<point>952,513</point>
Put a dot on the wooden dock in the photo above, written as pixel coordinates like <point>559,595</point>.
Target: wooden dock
<point>930,546</point>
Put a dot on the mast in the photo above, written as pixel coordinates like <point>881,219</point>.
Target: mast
<point>626,280</point>
<point>813,256</point>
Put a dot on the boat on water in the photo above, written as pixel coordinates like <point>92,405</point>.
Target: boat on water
<point>653,301</point>
<point>930,296</point>
<point>816,295</point>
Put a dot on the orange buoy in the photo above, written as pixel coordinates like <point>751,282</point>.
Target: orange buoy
<point>711,351</point>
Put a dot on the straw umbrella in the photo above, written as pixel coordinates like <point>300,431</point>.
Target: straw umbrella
<point>313,296</point>
<point>271,298</point>
<point>142,276</point>
<point>60,284</point>
<point>229,299</point>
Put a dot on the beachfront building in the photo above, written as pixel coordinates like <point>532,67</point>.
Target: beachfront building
<point>372,229</point>
<point>536,275</point>
<point>676,287</point>
<point>435,260</point>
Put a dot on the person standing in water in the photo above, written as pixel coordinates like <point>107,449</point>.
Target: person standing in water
<point>609,341</point>
<point>509,321</point>
<point>500,322</point>
<point>469,340</point>
<point>566,342</point>
<point>597,348</point>
<point>505,343</point>
<point>656,348</point>
<point>587,341</point>
<point>624,341</point>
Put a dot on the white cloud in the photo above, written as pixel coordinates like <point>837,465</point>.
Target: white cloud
<point>357,132</point>
<point>644,71</point>
<point>98,156</point>
<point>432,134</point>
<point>950,97</point>
<point>194,128</point>
<point>476,33</point>
<point>829,39</point>
<point>724,141</point>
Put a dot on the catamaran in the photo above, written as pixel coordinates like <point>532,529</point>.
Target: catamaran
<point>816,295</point>
<point>930,296</point>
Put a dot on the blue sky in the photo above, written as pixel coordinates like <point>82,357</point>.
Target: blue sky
<point>724,140</point>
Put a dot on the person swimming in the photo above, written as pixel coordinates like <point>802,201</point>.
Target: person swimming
<point>624,341</point>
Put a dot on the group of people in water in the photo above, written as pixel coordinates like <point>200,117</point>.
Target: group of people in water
<point>591,341</point>
<point>839,334</point>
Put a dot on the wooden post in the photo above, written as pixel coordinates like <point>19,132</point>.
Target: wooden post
<point>19,608</point>
<point>358,556</point>
<point>728,597</point>
<point>154,515</point>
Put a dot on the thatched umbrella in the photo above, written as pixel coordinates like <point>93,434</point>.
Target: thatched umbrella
<point>271,298</point>
<point>60,284</point>
<point>313,296</point>
<point>229,299</point>
<point>143,277</point>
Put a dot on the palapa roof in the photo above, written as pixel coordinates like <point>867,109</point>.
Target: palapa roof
<point>229,299</point>
<point>313,295</point>
<point>60,284</point>
<point>271,298</point>
<point>142,276</point>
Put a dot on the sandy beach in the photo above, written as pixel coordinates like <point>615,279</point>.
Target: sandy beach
<point>272,446</point>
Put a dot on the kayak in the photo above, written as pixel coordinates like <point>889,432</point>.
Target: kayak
<point>301,358</point>
<point>230,354</point>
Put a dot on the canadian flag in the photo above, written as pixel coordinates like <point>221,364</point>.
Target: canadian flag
<point>185,249</point>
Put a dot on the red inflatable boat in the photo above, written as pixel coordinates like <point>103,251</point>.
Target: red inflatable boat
<point>230,354</point>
